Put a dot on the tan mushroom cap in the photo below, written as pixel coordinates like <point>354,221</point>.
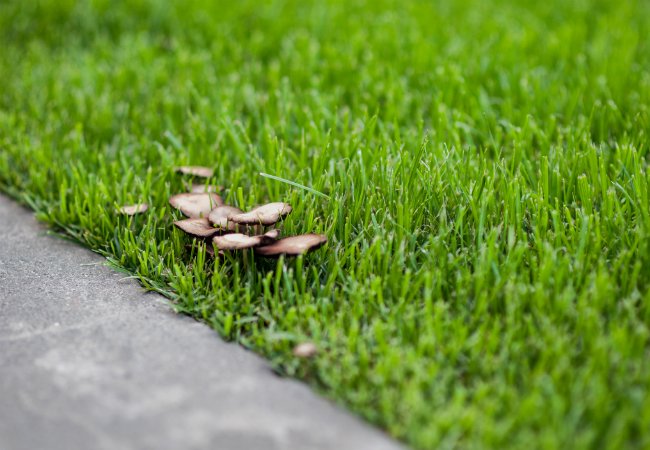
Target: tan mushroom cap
<point>201,227</point>
<point>195,205</point>
<point>132,210</point>
<point>202,188</point>
<point>293,245</point>
<point>263,215</point>
<point>305,350</point>
<point>273,234</point>
<point>197,171</point>
<point>239,241</point>
<point>219,217</point>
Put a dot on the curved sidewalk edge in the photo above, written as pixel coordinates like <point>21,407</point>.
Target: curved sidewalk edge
<point>90,361</point>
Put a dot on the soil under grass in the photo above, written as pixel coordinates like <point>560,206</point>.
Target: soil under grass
<point>485,171</point>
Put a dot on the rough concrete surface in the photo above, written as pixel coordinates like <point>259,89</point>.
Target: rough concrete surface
<point>90,361</point>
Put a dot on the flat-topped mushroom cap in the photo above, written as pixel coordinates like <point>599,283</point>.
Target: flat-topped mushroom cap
<point>132,210</point>
<point>273,234</point>
<point>195,205</point>
<point>201,188</point>
<point>294,245</point>
<point>219,217</point>
<point>263,215</point>
<point>239,241</point>
<point>197,227</point>
<point>197,171</point>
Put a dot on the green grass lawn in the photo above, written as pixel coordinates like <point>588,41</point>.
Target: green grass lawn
<point>487,278</point>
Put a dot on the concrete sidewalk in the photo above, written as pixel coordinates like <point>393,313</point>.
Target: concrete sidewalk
<point>90,361</point>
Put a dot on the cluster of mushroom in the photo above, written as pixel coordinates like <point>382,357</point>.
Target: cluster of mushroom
<point>230,228</point>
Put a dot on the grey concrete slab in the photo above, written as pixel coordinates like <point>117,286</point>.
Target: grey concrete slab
<point>90,361</point>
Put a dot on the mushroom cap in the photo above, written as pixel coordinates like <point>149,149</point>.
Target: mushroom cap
<point>197,171</point>
<point>197,227</point>
<point>239,241</point>
<point>273,234</point>
<point>132,210</point>
<point>219,217</point>
<point>195,205</point>
<point>201,188</point>
<point>293,245</point>
<point>305,350</point>
<point>263,215</point>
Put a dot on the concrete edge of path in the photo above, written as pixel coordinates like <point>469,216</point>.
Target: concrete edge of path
<point>90,361</point>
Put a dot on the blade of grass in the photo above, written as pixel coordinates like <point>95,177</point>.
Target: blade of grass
<point>294,184</point>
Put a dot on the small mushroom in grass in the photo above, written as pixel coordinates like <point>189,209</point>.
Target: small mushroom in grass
<point>197,171</point>
<point>305,350</point>
<point>293,245</point>
<point>219,217</point>
<point>273,234</point>
<point>132,210</point>
<point>201,188</point>
<point>195,205</point>
<point>200,227</point>
<point>239,241</point>
<point>263,215</point>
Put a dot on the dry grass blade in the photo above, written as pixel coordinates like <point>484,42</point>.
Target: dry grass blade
<point>132,210</point>
<point>197,227</point>
<point>294,245</point>
<point>195,205</point>
<point>263,215</point>
<point>197,171</point>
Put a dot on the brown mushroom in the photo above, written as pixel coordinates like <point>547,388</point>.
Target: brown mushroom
<point>219,217</point>
<point>293,245</point>
<point>273,234</point>
<point>132,210</point>
<point>305,350</point>
<point>201,188</point>
<point>195,205</point>
<point>197,171</point>
<point>263,215</point>
<point>239,241</point>
<point>200,227</point>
